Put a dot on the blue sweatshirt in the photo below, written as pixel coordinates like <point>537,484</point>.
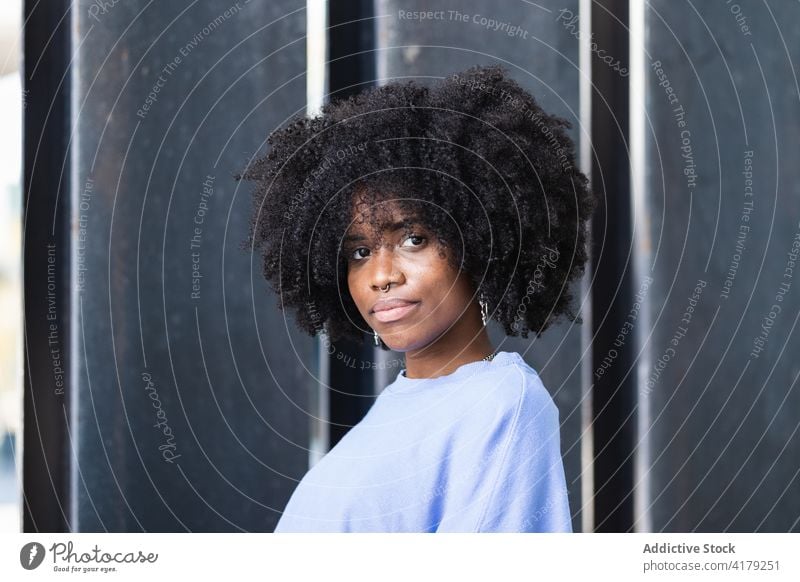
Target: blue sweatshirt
<point>476,450</point>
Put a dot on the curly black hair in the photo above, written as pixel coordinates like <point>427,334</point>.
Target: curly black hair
<point>473,158</point>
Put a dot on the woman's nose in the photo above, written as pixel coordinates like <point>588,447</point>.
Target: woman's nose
<point>383,267</point>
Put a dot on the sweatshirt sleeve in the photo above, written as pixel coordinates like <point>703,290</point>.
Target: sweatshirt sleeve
<point>528,490</point>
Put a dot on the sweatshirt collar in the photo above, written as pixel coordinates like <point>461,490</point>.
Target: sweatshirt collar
<point>463,372</point>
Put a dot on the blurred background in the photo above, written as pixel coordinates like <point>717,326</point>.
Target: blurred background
<point>161,387</point>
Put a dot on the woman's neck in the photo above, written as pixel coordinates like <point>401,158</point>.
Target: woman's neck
<point>446,355</point>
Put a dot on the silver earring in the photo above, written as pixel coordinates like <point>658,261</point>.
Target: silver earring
<point>484,309</point>
<point>375,336</point>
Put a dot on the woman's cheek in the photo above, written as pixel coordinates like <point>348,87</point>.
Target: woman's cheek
<point>354,289</point>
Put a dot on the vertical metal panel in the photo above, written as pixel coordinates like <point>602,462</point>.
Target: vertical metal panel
<point>189,388</point>
<point>721,382</point>
<point>613,400</point>
<point>545,61</point>
<point>46,270</point>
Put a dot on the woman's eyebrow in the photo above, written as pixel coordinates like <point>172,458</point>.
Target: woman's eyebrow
<point>353,238</point>
<point>393,227</point>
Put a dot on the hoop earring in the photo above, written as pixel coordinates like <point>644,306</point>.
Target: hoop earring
<point>484,309</point>
<point>376,338</point>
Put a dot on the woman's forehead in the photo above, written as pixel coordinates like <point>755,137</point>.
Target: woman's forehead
<point>381,216</point>
<point>366,230</point>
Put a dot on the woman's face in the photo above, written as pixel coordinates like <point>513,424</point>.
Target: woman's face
<point>427,300</point>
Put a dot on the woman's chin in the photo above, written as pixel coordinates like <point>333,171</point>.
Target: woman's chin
<point>404,343</point>
<point>394,345</point>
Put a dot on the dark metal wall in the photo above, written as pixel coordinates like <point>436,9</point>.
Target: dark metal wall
<point>45,242</point>
<point>186,389</point>
<point>610,383</point>
<point>720,217</point>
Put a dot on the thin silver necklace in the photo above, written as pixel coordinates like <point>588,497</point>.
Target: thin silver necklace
<point>486,359</point>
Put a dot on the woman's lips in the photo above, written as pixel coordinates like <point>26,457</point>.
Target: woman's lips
<point>389,315</point>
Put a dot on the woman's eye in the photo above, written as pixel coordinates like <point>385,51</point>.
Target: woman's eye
<point>355,255</point>
<point>413,241</point>
<point>417,241</point>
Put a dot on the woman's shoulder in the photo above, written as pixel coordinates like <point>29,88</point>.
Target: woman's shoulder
<point>505,398</point>
<point>518,385</point>
<point>501,419</point>
<point>492,392</point>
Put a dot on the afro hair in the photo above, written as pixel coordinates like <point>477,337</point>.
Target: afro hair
<point>473,158</point>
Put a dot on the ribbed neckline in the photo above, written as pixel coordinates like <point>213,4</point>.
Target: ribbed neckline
<point>402,384</point>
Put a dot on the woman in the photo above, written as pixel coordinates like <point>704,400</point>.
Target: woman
<point>416,214</point>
